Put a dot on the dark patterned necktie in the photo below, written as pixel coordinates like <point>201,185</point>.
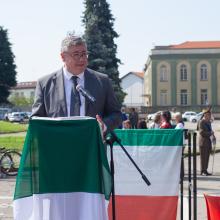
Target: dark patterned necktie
<point>75,99</point>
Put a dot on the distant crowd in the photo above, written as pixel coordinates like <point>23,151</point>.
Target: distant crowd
<point>164,120</point>
<point>161,120</point>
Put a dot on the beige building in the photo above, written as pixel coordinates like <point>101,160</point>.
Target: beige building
<point>24,89</point>
<point>185,75</point>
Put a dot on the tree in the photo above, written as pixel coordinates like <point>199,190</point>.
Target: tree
<point>99,36</point>
<point>21,101</point>
<point>7,67</point>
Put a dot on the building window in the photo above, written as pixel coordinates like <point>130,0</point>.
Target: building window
<point>203,72</point>
<point>183,72</point>
<point>204,97</point>
<point>183,97</point>
<point>163,97</point>
<point>163,74</point>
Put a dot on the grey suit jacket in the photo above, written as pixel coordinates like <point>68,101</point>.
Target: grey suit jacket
<point>50,98</point>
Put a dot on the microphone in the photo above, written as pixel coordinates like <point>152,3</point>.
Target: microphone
<point>85,93</point>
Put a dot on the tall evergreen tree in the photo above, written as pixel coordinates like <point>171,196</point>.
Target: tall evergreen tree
<point>7,66</point>
<point>99,35</point>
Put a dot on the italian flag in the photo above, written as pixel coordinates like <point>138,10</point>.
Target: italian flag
<point>64,172</point>
<point>213,206</point>
<point>158,154</point>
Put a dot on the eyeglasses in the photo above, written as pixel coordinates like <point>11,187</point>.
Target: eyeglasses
<point>77,56</point>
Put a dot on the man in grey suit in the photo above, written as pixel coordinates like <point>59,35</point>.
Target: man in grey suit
<point>56,94</point>
<point>205,143</point>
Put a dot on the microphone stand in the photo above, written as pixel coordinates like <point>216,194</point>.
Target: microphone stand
<point>110,141</point>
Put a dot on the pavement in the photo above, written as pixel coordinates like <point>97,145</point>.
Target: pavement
<point>205,184</point>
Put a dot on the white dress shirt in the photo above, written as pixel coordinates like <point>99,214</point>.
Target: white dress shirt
<point>68,84</point>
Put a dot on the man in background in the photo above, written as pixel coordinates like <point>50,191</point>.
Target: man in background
<point>205,143</point>
<point>133,117</point>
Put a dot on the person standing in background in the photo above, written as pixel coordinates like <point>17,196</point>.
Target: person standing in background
<point>126,124</point>
<point>179,121</point>
<point>133,117</point>
<point>142,124</point>
<point>205,144</point>
<point>123,117</point>
<point>166,118</point>
<point>156,123</point>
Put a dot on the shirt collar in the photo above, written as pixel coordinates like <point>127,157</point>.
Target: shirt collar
<point>68,75</point>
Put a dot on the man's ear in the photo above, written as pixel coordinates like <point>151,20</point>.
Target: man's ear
<point>62,55</point>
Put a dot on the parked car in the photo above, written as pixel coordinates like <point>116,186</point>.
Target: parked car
<point>28,114</point>
<point>197,117</point>
<point>17,117</point>
<point>186,115</point>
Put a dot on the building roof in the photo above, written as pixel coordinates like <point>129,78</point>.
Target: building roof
<point>139,74</point>
<point>189,48</point>
<point>196,45</point>
<point>26,85</point>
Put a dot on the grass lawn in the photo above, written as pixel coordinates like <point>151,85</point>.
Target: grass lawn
<point>8,127</point>
<point>12,142</point>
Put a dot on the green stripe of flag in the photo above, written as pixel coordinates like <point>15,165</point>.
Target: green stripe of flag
<point>151,137</point>
<point>63,156</point>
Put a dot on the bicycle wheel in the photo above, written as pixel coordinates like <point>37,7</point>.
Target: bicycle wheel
<point>15,158</point>
<point>5,163</point>
<point>10,162</point>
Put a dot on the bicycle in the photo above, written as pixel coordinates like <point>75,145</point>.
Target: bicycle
<point>9,161</point>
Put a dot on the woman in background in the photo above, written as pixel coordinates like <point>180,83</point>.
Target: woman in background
<point>166,117</point>
<point>156,123</point>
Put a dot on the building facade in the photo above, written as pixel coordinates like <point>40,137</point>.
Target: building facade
<point>24,89</point>
<point>133,85</point>
<point>185,75</point>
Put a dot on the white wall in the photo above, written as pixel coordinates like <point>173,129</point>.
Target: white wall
<point>27,93</point>
<point>134,87</point>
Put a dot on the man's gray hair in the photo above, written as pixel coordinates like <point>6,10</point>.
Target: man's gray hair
<point>71,40</point>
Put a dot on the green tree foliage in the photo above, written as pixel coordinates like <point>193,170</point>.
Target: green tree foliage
<point>7,67</point>
<point>99,35</point>
<point>21,101</point>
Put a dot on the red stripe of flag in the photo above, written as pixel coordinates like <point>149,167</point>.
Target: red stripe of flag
<point>213,207</point>
<point>145,208</point>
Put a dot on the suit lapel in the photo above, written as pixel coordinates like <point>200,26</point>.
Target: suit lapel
<point>60,92</point>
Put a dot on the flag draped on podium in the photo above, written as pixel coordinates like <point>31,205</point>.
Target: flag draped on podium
<point>64,172</point>
<point>158,154</point>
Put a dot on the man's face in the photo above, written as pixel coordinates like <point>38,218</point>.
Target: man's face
<point>207,116</point>
<point>75,59</point>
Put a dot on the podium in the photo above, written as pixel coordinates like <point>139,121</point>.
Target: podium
<point>64,172</point>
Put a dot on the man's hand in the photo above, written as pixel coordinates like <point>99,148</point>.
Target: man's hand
<point>101,124</point>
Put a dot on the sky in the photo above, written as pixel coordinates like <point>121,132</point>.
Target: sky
<point>36,29</point>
